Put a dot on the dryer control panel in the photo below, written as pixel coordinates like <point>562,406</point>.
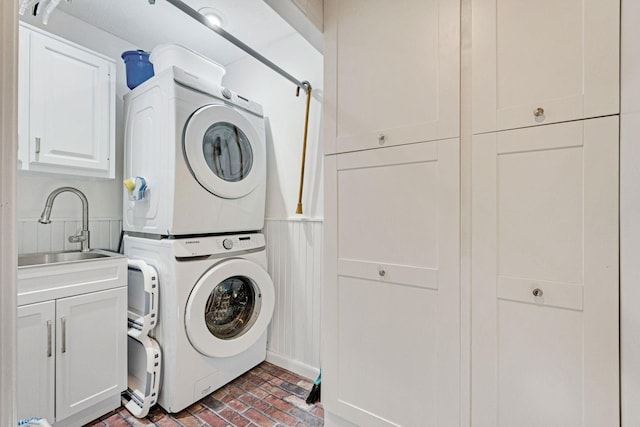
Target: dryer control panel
<point>223,94</point>
<point>214,245</point>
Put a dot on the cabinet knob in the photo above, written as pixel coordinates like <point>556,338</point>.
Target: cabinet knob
<point>537,292</point>
<point>538,112</point>
<point>381,139</point>
<point>381,272</point>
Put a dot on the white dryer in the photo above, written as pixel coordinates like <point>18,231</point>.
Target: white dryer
<point>201,150</point>
<point>215,303</point>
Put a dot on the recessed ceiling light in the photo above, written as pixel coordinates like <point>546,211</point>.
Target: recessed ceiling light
<point>212,15</point>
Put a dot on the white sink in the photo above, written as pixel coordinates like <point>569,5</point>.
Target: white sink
<point>25,260</point>
<point>51,275</point>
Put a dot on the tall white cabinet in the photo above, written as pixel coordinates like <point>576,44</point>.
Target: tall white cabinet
<point>541,182</point>
<point>391,301</point>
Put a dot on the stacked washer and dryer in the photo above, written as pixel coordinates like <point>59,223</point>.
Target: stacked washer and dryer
<point>200,151</point>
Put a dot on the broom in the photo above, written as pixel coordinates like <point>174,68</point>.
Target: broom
<point>314,394</point>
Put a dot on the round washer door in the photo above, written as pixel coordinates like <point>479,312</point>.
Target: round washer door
<point>224,151</point>
<point>229,308</point>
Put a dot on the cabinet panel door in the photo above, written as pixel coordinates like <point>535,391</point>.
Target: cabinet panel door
<point>545,276</point>
<point>558,56</point>
<point>392,308</point>
<point>396,71</point>
<point>36,360</point>
<point>71,101</point>
<point>91,348</point>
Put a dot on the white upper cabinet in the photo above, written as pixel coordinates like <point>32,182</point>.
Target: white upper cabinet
<point>392,72</point>
<point>67,107</point>
<point>543,62</point>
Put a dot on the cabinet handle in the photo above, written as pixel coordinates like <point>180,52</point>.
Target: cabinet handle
<point>37,145</point>
<point>537,292</point>
<point>63,324</point>
<point>381,272</point>
<point>538,112</point>
<point>48,338</point>
<point>381,138</point>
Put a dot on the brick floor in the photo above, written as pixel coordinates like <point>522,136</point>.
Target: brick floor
<point>266,396</point>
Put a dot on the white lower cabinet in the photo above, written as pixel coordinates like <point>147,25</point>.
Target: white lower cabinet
<point>545,348</point>
<point>72,355</point>
<point>392,299</point>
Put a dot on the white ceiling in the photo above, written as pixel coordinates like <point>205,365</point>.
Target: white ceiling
<point>146,25</point>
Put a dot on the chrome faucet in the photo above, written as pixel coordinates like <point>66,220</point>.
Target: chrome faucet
<point>83,237</point>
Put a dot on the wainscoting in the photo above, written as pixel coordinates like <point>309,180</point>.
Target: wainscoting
<point>36,237</point>
<point>294,250</point>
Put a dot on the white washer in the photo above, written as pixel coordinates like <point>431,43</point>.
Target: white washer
<point>201,149</point>
<point>215,303</point>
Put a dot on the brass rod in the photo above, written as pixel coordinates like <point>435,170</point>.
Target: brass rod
<point>304,143</point>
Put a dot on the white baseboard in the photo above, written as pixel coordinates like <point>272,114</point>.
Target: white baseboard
<point>293,365</point>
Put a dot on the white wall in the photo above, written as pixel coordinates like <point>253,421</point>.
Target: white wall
<point>105,201</point>
<point>285,122</point>
<point>630,214</point>
<point>294,242</point>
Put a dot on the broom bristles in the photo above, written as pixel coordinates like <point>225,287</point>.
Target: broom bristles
<point>314,394</point>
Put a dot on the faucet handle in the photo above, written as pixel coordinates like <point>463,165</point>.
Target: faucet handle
<point>83,236</point>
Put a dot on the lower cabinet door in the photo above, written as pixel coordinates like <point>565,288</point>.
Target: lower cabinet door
<point>392,293</point>
<point>545,276</point>
<point>36,360</point>
<point>91,345</point>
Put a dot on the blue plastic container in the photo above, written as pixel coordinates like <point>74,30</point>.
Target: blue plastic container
<point>139,69</point>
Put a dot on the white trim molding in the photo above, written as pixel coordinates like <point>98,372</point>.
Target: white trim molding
<point>8,171</point>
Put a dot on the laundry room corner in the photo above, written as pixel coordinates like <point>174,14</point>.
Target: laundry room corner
<point>294,241</point>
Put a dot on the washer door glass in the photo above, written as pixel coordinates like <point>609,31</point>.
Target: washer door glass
<point>227,151</point>
<point>232,307</point>
<point>224,151</point>
<point>229,308</point>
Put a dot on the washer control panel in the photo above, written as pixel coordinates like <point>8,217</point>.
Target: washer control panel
<point>214,245</point>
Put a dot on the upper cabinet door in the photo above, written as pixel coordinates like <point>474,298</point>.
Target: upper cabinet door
<point>70,123</point>
<point>543,62</point>
<point>392,72</point>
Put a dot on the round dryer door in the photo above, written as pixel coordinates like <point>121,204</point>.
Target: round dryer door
<point>229,308</point>
<point>224,151</point>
